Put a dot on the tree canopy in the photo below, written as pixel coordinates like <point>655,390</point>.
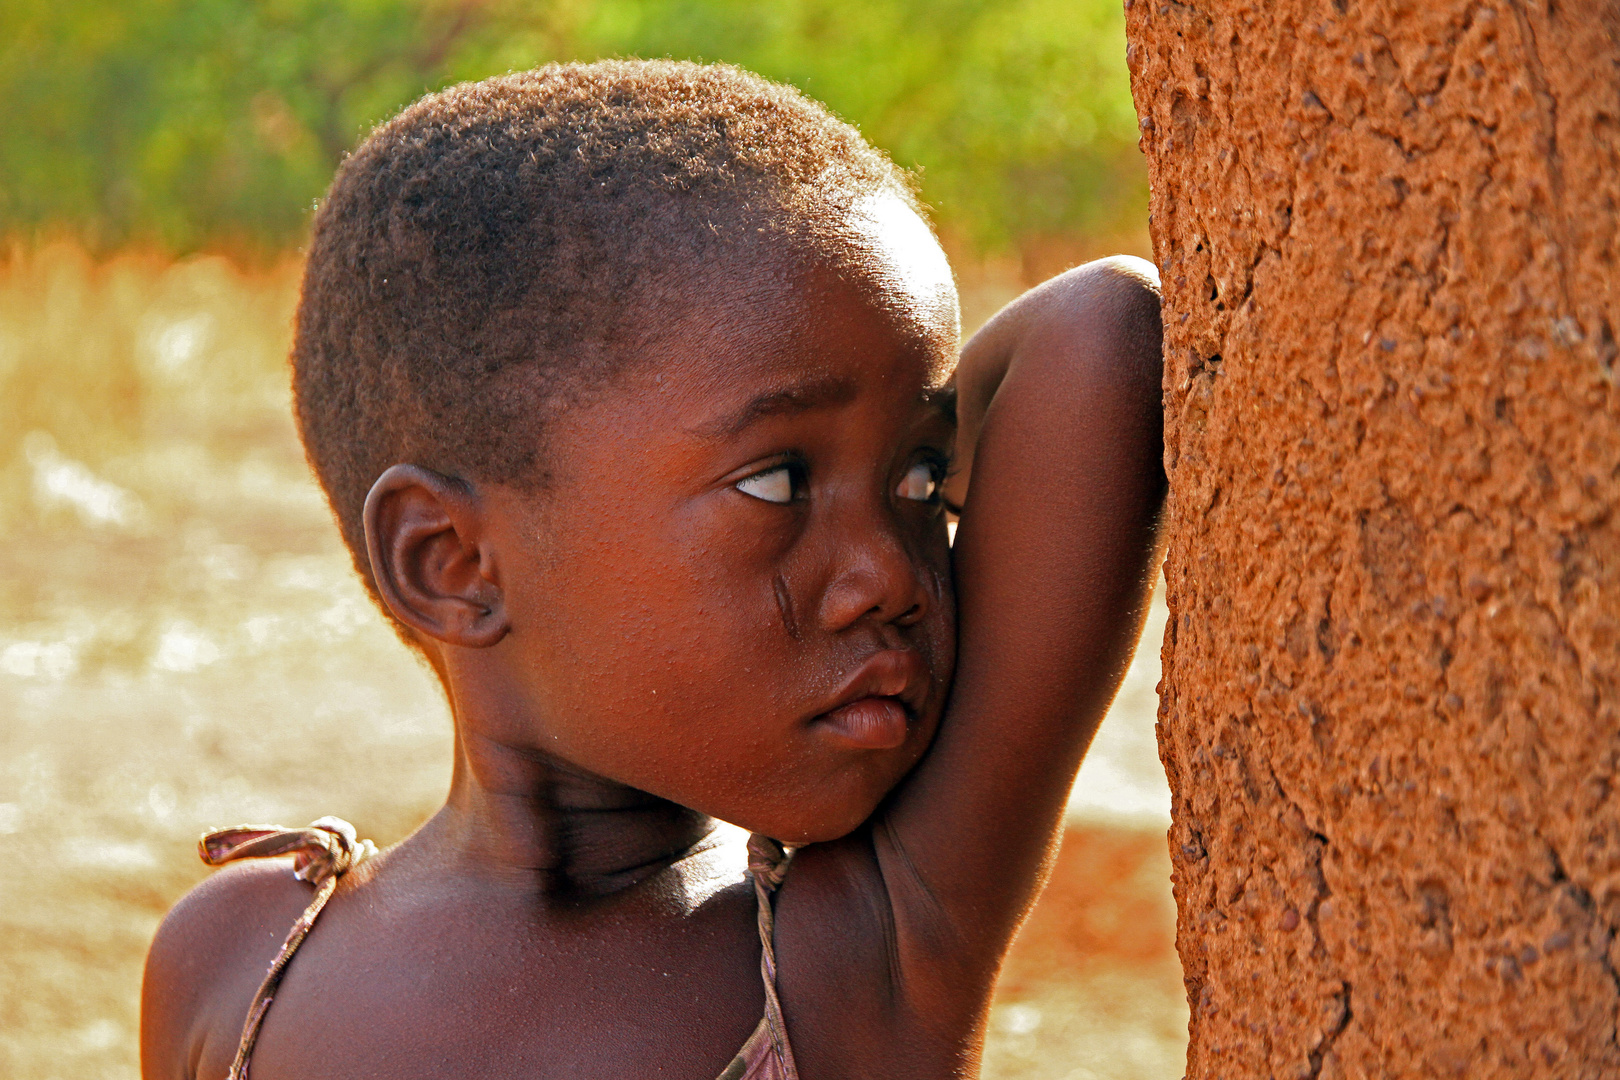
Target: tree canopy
<point>185,122</point>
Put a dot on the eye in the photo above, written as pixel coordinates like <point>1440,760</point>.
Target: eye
<point>920,484</point>
<point>781,484</point>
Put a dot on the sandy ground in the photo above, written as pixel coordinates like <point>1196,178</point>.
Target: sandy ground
<point>183,645</point>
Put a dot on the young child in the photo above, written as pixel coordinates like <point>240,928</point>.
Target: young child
<point>631,385</point>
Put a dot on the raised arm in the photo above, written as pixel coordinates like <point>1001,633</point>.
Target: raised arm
<point>1060,449</point>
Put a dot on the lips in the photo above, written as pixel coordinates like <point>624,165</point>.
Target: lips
<point>872,723</point>
<point>874,708</point>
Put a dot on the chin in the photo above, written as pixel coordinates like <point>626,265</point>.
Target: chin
<point>802,825</point>
<point>828,804</point>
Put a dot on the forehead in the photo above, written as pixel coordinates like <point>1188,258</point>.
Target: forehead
<point>894,255</point>
<point>872,297</point>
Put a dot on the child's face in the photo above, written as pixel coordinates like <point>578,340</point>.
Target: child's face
<point>735,591</point>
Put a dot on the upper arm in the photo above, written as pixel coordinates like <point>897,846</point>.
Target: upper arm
<point>205,962</point>
<point>1052,562</point>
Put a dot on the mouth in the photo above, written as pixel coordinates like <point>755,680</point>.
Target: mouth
<point>878,704</point>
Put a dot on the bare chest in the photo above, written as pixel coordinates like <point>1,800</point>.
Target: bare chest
<point>424,993</point>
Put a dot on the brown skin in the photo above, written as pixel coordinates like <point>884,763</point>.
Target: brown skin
<point>648,644</point>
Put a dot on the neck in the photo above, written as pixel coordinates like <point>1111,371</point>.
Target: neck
<point>526,819</point>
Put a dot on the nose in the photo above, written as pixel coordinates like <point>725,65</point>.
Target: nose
<point>874,576</point>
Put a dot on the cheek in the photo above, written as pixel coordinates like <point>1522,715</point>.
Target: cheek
<point>666,637</point>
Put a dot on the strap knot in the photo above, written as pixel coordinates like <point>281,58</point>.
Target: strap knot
<point>325,849</point>
<point>767,860</point>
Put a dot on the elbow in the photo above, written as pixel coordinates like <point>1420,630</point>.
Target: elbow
<point>1123,300</point>
<point>1101,323</point>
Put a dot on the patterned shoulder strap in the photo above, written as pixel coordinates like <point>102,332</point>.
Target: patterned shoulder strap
<point>768,861</point>
<point>322,853</point>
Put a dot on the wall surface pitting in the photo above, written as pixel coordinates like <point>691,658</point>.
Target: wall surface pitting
<point>1391,702</point>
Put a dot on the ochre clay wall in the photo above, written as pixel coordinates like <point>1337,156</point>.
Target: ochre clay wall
<point>1391,717</point>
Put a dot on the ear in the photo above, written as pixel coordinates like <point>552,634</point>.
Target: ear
<point>430,559</point>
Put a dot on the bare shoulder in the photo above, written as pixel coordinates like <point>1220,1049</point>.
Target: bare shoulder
<point>207,959</point>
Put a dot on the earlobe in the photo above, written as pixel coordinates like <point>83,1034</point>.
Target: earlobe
<point>430,558</point>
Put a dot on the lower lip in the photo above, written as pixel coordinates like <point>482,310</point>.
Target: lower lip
<point>872,723</point>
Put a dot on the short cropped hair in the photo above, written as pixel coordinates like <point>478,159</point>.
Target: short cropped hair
<point>499,243</point>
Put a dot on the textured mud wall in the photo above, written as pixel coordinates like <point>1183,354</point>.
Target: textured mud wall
<point>1391,703</point>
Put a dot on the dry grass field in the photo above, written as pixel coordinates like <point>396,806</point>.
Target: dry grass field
<point>183,645</point>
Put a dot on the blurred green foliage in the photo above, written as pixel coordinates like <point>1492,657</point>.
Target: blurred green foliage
<point>189,122</point>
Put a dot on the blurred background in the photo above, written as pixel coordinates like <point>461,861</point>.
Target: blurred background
<point>182,642</point>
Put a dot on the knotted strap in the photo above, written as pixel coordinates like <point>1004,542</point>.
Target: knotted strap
<point>768,862</point>
<point>322,853</point>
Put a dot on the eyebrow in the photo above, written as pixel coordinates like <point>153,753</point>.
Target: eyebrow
<point>786,401</point>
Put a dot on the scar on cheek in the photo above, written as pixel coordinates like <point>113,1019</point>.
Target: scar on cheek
<point>784,604</point>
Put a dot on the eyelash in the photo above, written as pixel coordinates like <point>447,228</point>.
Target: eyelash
<point>798,481</point>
